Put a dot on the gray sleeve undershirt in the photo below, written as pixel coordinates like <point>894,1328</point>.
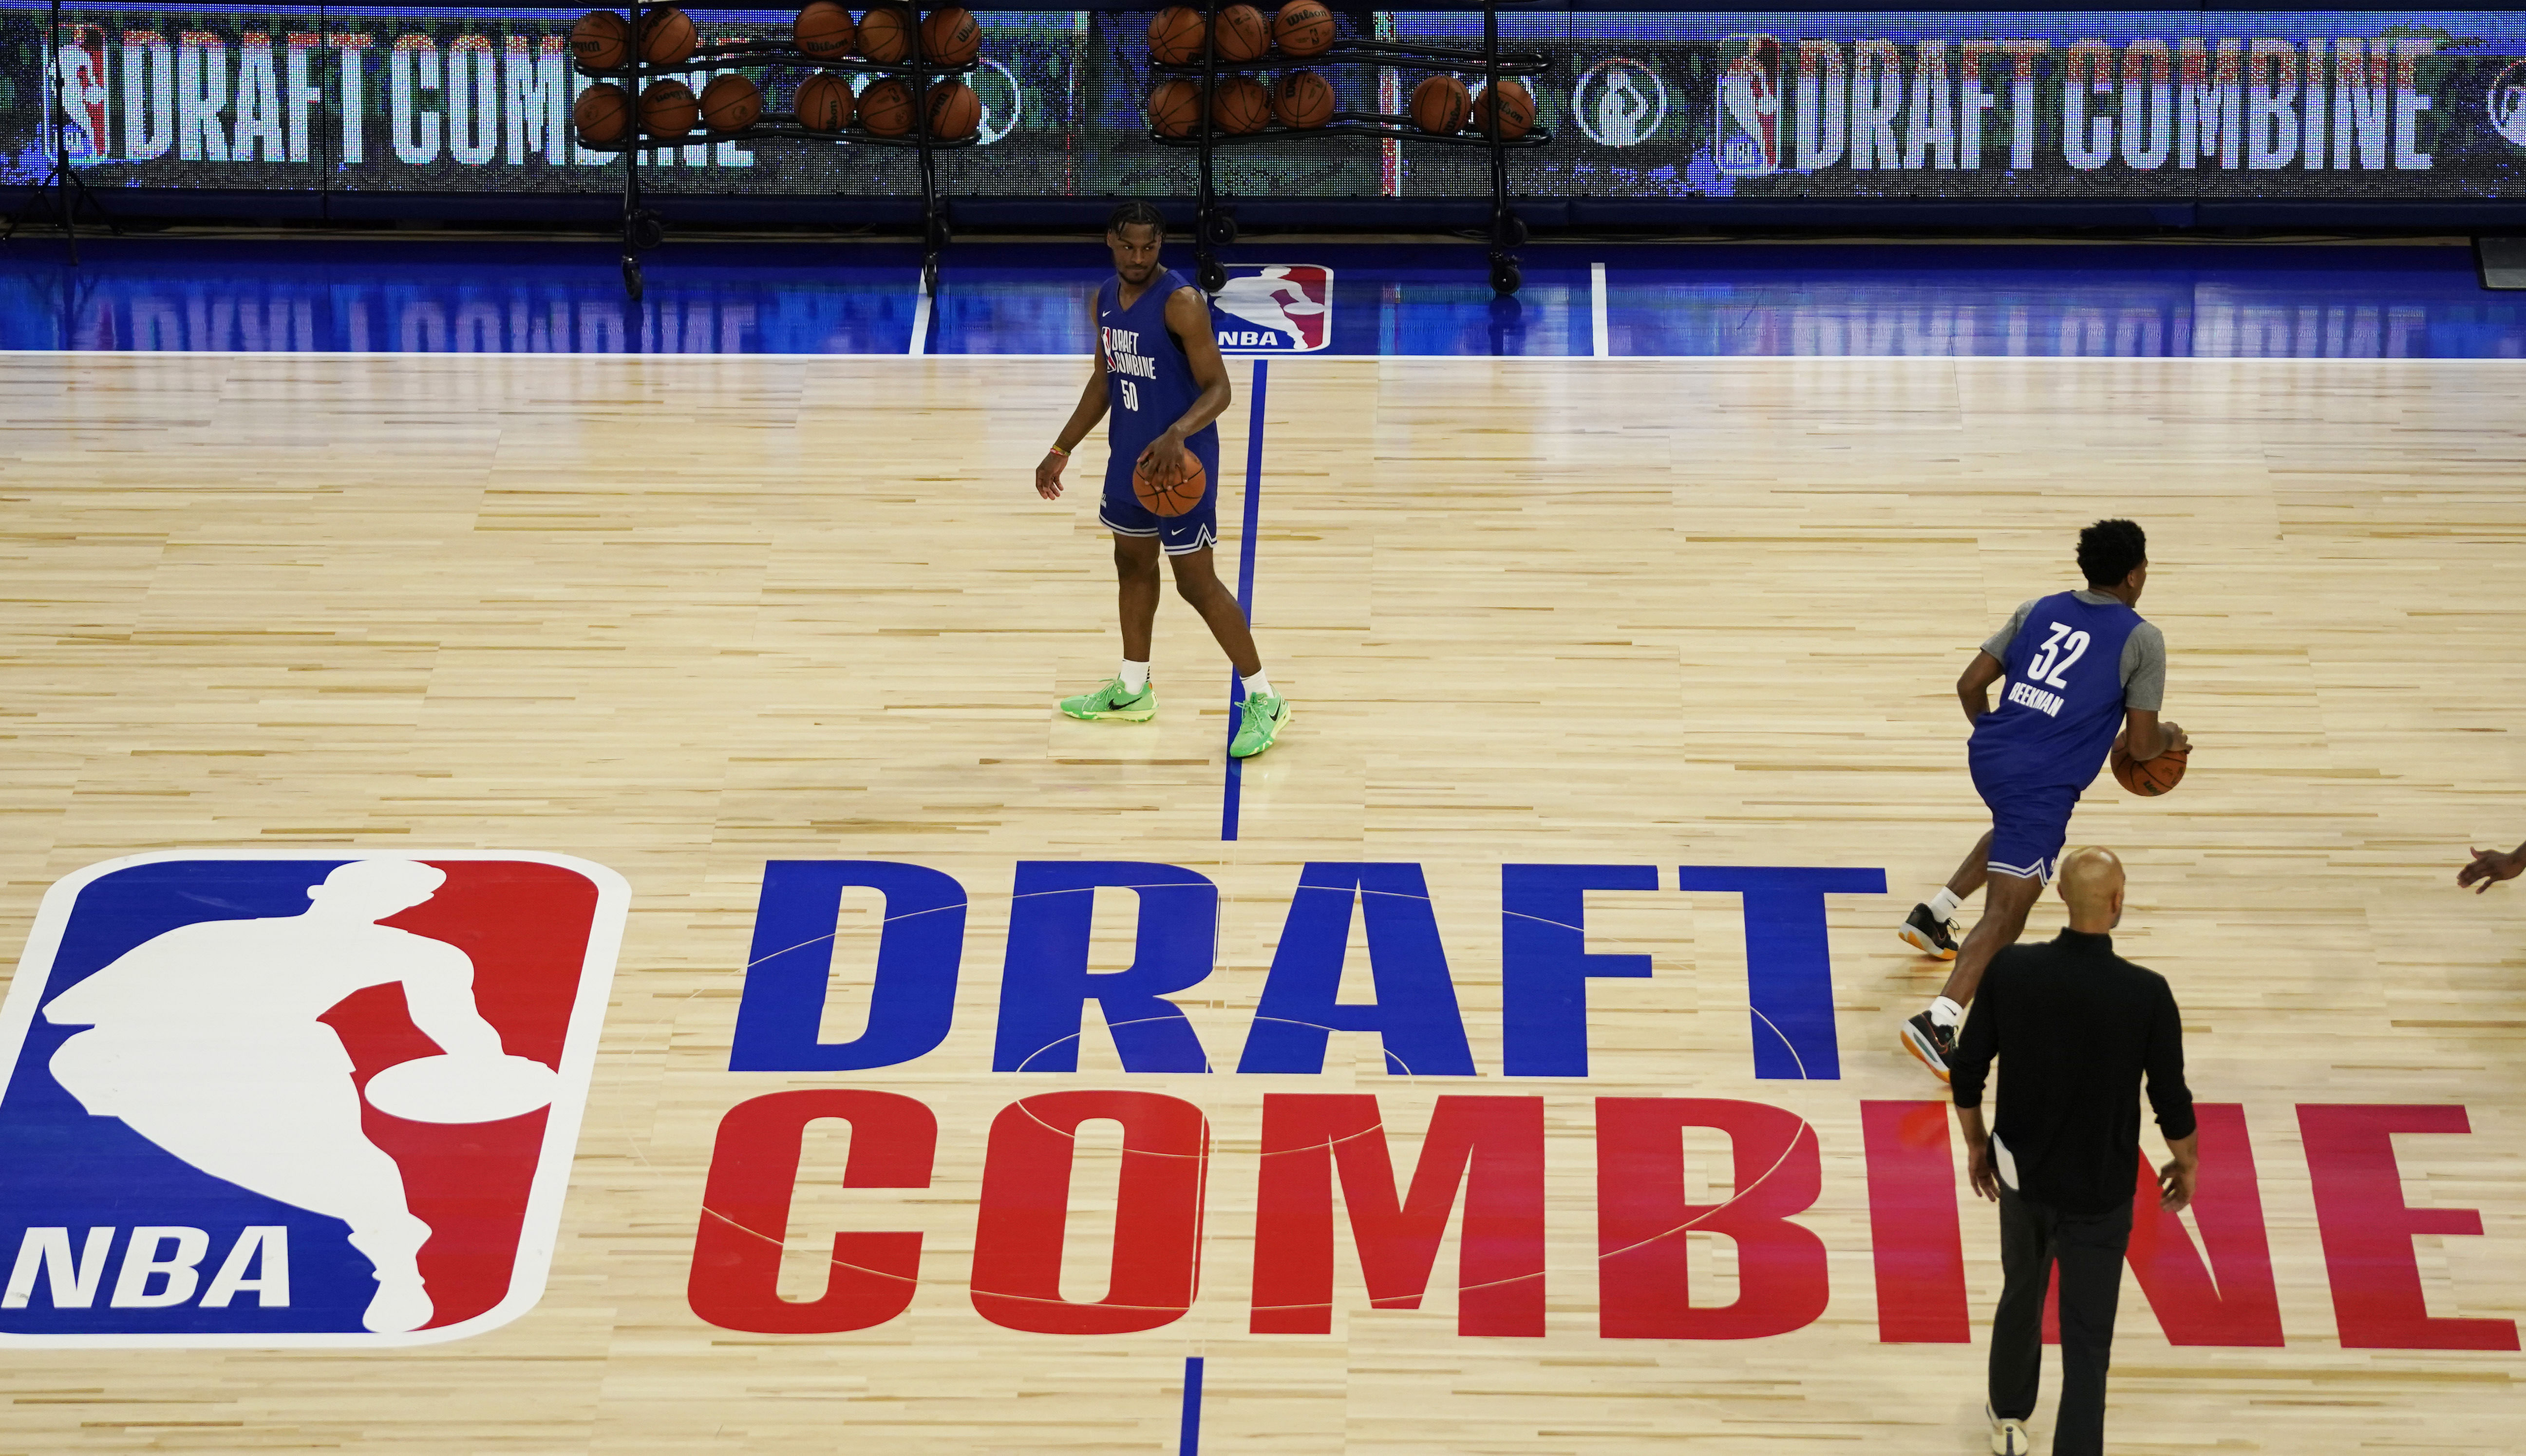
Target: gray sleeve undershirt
<point>2145,668</point>
<point>1996,644</point>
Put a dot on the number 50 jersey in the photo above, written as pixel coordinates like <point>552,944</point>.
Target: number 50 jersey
<point>2062,702</point>
<point>1148,382</point>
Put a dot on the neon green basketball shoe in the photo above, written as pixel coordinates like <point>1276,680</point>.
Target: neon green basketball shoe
<point>1114,700</point>
<point>1264,717</point>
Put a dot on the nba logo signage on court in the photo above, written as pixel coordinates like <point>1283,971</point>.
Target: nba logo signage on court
<point>1274,308</point>
<point>272,1099</point>
<point>1749,122</point>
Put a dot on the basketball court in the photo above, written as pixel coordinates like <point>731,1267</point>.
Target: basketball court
<point>1660,575</point>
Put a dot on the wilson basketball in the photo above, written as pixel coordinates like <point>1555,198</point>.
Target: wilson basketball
<point>1174,107</point>
<point>1517,111</point>
<point>825,104</point>
<point>600,41</point>
<point>1242,104</point>
<point>886,106</point>
<point>1242,35</point>
<point>731,103</point>
<point>824,31</point>
<point>602,114</point>
<point>667,37</point>
<point>955,112</point>
<point>1440,105</point>
<point>2153,777</point>
<point>668,109</point>
<point>951,37</point>
<point>1175,35</point>
<point>1161,499</point>
<point>886,37</point>
<point>1303,100</point>
<point>1303,29</point>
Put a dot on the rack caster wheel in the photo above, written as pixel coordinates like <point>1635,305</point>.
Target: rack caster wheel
<point>631,278</point>
<point>645,230</point>
<point>1211,276</point>
<point>1222,229</point>
<point>1505,276</point>
<point>929,277</point>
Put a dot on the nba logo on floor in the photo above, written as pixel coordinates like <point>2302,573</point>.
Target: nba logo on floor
<point>1274,309</point>
<point>265,1099</point>
<point>1749,122</point>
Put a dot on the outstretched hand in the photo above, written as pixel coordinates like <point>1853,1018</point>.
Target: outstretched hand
<point>2488,868</point>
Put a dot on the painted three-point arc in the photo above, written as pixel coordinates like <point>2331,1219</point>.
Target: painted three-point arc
<point>125,1242</point>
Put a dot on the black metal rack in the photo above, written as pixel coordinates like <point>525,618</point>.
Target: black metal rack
<point>1214,224</point>
<point>644,229</point>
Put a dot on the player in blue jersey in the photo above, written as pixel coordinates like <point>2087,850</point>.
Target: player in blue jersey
<point>2084,673</point>
<point>1159,374</point>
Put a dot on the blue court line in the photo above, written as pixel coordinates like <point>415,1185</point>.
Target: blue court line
<point>1246,604</point>
<point>1192,1443</point>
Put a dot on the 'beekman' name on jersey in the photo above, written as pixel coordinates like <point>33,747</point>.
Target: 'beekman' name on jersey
<point>1124,357</point>
<point>2046,703</point>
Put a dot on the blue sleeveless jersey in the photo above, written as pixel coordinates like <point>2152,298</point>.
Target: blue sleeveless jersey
<point>2062,702</point>
<point>1148,382</point>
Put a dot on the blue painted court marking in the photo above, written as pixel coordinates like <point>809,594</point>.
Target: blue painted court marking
<point>1191,1445</point>
<point>1244,603</point>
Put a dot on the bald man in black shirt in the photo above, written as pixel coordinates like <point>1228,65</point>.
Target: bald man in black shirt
<point>2076,1027</point>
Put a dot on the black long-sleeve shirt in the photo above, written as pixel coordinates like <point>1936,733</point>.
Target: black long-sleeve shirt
<point>2076,1025</point>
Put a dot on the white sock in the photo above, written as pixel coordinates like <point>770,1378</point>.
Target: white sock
<point>1135,675</point>
<point>1943,904</point>
<point>1946,1012</point>
<point>1259,686</point>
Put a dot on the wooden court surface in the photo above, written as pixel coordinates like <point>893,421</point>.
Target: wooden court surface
<point>685,616</point>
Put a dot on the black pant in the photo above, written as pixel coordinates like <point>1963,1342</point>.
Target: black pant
<point>2089,1248</point>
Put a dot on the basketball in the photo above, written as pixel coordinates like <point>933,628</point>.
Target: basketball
<point>1517,111</point>
<point>1175,35</point>
<point>1161,499</point>
<point>731,103</point>
<point>955,112</point>
<point>600,41</point>
<point>824,31</point>
<point>886,106</point>
<point>1303,100</point>
<point>2153,777</point>
<point>1303,29</point>
<point>667,37</point>
<point>668,109</point>
<point>825,104</point>
<point>1440,105</point>
<point>463,1090</point>
<point>1174,107</point>
<point>1242,104</point>
<point>886,36</point>
<point>1242,35</point>
<point>951,37</point>
<point>602,114</point>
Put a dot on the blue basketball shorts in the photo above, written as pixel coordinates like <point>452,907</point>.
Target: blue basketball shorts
<point>1178,536</point>
<point>2030,823</point>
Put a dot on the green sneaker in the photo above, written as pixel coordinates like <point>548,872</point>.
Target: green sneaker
<point>1264,717</point>
<point>1114,700</point>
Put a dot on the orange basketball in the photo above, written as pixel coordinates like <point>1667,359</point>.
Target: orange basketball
<point>1241,106</point>
<point>600,41</point>
<point>886,106</point>
<point>1303,29</point>
<point>825,104</point>
<point>886,37</point>
<point>731,103</point>
<point>824,31</point>
<point>668,109</point>
<point>1174,107</point>
<point>602,114</point>
<point>1303,100</point>
<point>1242,36</point>
<point>1517,111</point>
<point>1161,499</point>
<point>2153,777</point>
<point>951,37</point>
<point>1440,105</point>
<point>1175,35</point>
<point>955,112</point>
<point>667,37</point>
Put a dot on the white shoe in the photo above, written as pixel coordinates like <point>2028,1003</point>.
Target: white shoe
<point>2008,1438</point>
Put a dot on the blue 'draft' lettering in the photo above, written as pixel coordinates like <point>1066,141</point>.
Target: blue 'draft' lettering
<point>1415,1012</point>
<point>1788,965</point>
<point>1545,964</point>
<point>1045,984</point>
<point>919,951</point>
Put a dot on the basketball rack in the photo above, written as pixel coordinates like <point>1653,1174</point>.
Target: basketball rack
<point>644,229</point>
<point>1215,221</point>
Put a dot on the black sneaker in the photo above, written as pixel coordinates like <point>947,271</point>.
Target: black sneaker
<point>1934,1044</point>
<point>1922,932</point>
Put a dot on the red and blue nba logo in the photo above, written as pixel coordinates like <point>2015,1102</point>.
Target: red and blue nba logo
<point>1278,307</point>
<point>1747,120</point>
<point>258,1099</point>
